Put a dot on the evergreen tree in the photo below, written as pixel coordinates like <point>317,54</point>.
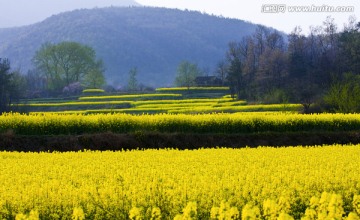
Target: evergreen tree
<point>132,83</point>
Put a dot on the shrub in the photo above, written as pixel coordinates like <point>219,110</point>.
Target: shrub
<point>344,96</point>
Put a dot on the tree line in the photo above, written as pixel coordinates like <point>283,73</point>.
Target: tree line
<point>322,67</point>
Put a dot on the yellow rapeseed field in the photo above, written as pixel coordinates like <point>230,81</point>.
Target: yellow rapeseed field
<point>219,88</point>
<point>53,124</point>
<point>131,96</point>
<point>262,183</point>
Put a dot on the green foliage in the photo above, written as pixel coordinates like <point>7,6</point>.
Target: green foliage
<point>67,62</point>
<point>5,80</point>
<point>275,96</point>
<point>344,96</point>
<point>95,78</point>
<point>186,74</point>
<point>12,86</point>
<point>350,47</point>
<point>235,75</point>
<point>132,83</point>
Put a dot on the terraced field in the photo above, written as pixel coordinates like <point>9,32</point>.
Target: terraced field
<point>168,100</point>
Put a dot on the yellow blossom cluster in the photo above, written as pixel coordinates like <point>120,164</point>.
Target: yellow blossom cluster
<point>53,124</point>
<point>252,183</point>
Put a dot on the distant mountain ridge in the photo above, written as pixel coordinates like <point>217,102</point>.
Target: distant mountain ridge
<point>24,12</point>
<point>155,40</point>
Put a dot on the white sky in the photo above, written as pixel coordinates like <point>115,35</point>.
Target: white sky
<point>252,11</point>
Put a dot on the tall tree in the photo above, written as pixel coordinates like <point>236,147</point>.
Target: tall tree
<point>272,64</point>
<point>186,74</point>
<point>35,84</point>
<point>236,79</point>
<point>65,63</point>
<point>47,64</point>
<point>5,79</point>
<point>263,61</point>
<point>350,47</point>
<point>95,78</point>
<point>235,76</point>
<point>297,54</point>
<point>272,69</point>
<point>17,87</point>
<point>221,71</point>
<point>12,85</point>
<point>132,83</point>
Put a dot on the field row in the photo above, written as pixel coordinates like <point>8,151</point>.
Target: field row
<point>142,103</point>
<point>225,89</point>
<point>101,98</point>
<point>152,104</point>
<point>263,183</point>
<point>53,124</point>
<point>147,107</point>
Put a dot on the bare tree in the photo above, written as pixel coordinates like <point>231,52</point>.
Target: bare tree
<point>221,71</point>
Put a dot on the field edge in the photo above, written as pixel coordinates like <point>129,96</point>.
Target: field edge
<point>151,140</point>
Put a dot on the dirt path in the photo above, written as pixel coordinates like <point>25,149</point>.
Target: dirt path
<point>111,141</point>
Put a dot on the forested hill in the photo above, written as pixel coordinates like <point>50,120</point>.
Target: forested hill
<point>155,40</point>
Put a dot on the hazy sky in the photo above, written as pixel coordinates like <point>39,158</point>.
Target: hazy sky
<point>25,12</point>
<point>252,11</point>
<point>22,12</point>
